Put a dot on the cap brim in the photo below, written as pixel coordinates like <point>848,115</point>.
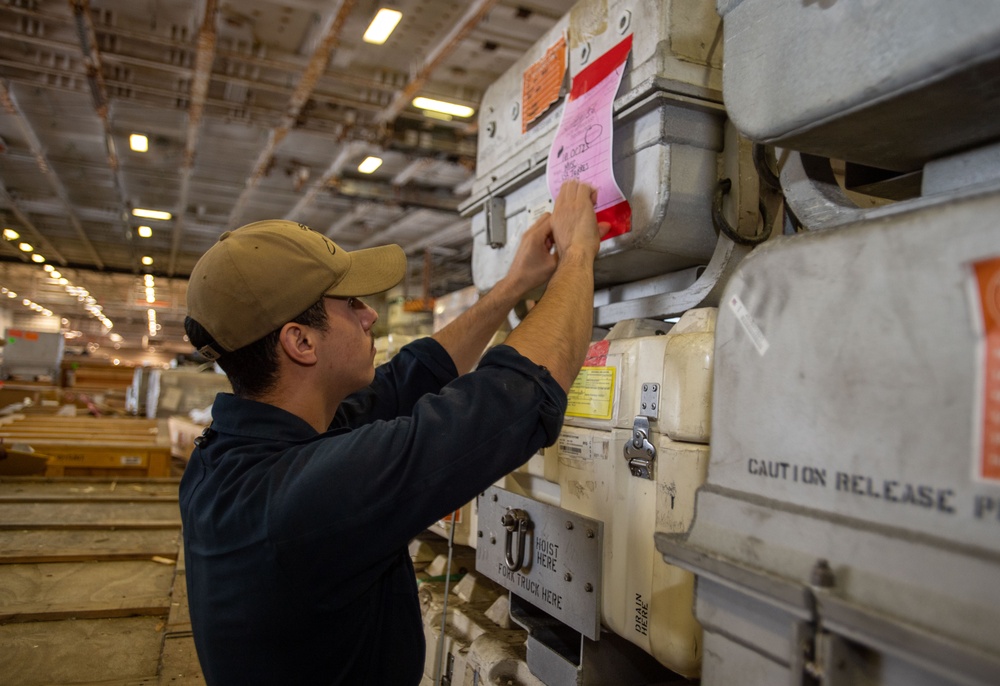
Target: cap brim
<point>373,270</point>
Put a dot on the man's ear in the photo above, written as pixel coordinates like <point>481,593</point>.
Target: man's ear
<point>298,342</point>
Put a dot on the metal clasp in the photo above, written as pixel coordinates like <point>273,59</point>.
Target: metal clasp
<point>639,452</point>
<point>496,222</point>
<point>516,522</point>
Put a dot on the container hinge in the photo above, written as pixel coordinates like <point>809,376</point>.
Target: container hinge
<point>496,222</point>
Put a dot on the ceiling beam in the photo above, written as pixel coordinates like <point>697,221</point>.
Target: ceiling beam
<point>99,95</point>
<point>199,93</point>
<point>475,14</point>
<point>9,102</point>
<point>311,74</point>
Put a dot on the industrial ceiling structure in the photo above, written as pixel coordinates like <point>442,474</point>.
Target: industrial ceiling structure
<point>251,109</point>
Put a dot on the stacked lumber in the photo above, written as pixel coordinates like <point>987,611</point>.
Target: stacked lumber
<point>92,446</point>
<point>93,584</point>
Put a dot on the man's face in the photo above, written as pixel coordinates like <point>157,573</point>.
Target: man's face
<point>349,341</point>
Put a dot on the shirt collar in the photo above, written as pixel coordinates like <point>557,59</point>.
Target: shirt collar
<point>252,419</point>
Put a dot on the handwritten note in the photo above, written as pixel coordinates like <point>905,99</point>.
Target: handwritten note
<point>583,144</point>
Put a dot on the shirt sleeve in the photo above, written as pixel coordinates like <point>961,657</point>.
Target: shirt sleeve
<point>374,488</point>
<point>420,367</point>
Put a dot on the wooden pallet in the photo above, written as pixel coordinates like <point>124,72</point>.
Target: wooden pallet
<point>92,579</point>
<point>93,446</point>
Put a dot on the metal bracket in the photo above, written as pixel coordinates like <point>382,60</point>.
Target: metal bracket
<point>649,400</point>
<point>496,221</point>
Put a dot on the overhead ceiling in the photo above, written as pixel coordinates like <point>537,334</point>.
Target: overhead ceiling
<point>253,110</point>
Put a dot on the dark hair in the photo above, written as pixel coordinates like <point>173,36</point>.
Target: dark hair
<point>253,369</point>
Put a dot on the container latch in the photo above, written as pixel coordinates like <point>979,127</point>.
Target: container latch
<point>639,451</point>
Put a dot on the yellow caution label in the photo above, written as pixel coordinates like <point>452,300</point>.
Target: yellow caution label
<point>592,393</point>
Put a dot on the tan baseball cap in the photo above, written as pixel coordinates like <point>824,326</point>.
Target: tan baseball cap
<point>260,276</point>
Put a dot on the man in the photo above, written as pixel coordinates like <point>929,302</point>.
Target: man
<point>300,500</point>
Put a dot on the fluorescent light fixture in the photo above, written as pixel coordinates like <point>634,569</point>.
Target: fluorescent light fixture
<point>370,164</point>
<point>151,214</point>
<point>145,232</point>
<point>443,107</point>
<point>138,142</point>
<point>37,258</point>
<point>147,260</point>
<point>25,247</point>
<point>11,234</point>
<point>437,115</point>
<point>382,25</point>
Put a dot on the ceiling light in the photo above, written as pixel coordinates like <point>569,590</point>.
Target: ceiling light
<point>138,142</point>
<point>11,294</point>
<point>370,164</point>
<point>37,258</point>
<point>48,268</point>
<point>148,280</point>
<point>63,282</point>
<point>54,274</point>
<point>26,302</point>
<point>147,260</point>
<point>443,107</point>
<point>116,338</point>
<point>150,298</point>
<point>11,234</point>
<point>431,114</point>
<point>145,232</point>
<point>382,25</point>
<point>25,247</point>
<point>151,214</point>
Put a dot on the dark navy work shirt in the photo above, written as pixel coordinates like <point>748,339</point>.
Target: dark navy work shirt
<point>296,541</point>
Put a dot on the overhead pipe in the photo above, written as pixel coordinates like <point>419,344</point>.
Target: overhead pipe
<point>310,76</point>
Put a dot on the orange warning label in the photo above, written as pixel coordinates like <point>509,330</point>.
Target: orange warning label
<point>988,282</point>
<point>597,354</point>
<point>541,83</point>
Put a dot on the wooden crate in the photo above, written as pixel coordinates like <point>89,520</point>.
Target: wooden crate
<point>93,575</point>
<point>93,446</point>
